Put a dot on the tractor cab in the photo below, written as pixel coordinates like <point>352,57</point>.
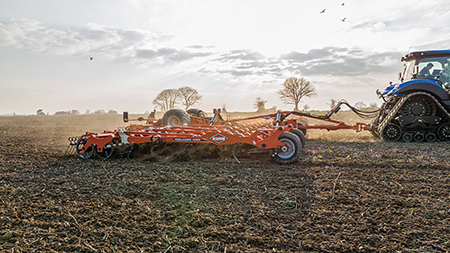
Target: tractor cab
<point>427,71</point>
<point>432,65</point>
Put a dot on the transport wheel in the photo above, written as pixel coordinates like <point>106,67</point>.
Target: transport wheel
<point>443,132</point>
<point>196,112</point>
<point>300,135</point>
<point>88,152</point>
<point>392,132</point>
<point>301,129</point>
<point>108,150</point>
<point>176,117</point>
<point>290,152</point>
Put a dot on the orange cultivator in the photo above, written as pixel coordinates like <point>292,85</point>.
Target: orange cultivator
<point>281,133</point>
<point>284,141</point>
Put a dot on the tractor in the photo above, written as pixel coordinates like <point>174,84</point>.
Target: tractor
<point>416,109</point>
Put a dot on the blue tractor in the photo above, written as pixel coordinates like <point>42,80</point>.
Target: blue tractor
<point>416,109</point>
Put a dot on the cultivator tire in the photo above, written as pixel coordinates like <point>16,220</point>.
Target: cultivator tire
<point>176,117</point>
<point>290,152</point>
<point>301,129</point>
<point>88,152</point>
<point>108,150</point>
<point>196,112</point>
<point>300,135</point>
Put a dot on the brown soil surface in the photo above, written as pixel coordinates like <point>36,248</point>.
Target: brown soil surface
<point>348,192</point>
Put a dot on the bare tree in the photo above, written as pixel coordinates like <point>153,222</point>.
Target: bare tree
<point>333,103</point>
<point>74,112</point>
<point>167,99</point>
<point>373,106</point>
<point>189,96</point>
<point>99,112</point>
<point>260,104</point>
<point>360,105</point>
<point>294,89</point>
<point>306,107</point>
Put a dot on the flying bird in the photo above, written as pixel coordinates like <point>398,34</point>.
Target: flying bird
<point>342,4</point>
<point>322,11</point>
<point>343,20</point>
<point>91,58</point>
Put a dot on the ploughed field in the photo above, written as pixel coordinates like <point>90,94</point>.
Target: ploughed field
<point>348,192</point>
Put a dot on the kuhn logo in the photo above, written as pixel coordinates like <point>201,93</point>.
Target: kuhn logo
<point>218,138</point>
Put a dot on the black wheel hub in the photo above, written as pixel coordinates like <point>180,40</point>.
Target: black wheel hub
<point>417,110</point>
<point>419,106</point>
<point>392,132</point>
<point>443,132</point>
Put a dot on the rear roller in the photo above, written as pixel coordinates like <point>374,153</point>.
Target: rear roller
<point>88,152</point>
<point>107,151</point>
<point>290,152</point>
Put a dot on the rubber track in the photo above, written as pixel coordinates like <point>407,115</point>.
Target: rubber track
<point>399,105</point>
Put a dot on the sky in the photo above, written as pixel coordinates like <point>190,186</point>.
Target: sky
<point>230,51</point>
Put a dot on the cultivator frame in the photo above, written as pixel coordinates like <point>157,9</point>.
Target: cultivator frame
<point>281,133</point>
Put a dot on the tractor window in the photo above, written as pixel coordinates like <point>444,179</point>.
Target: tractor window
<point>409,70</point>
<point>429,68</point>
<point>437,68</point>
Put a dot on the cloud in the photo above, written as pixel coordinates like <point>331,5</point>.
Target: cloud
<point>169,54</point>
<point>152,49</point>
<point>340,62</point>
<point>94,39</point>
<point>242,55</point>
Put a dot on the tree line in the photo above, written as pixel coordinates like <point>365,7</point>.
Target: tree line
<point>293,90</point>
<point>40,112</point>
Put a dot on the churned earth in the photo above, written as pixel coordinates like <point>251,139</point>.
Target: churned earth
<point>348,192</point>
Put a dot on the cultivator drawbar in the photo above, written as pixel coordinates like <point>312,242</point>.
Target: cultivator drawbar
<point>281,133</point>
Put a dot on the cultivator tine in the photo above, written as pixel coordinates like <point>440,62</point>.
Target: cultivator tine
<point>71,148</point>
<point>131,149</point>
<point>151,150</point>
<point>234,153</point>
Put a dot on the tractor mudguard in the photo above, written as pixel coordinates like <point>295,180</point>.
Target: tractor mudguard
<point>428,86</point>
